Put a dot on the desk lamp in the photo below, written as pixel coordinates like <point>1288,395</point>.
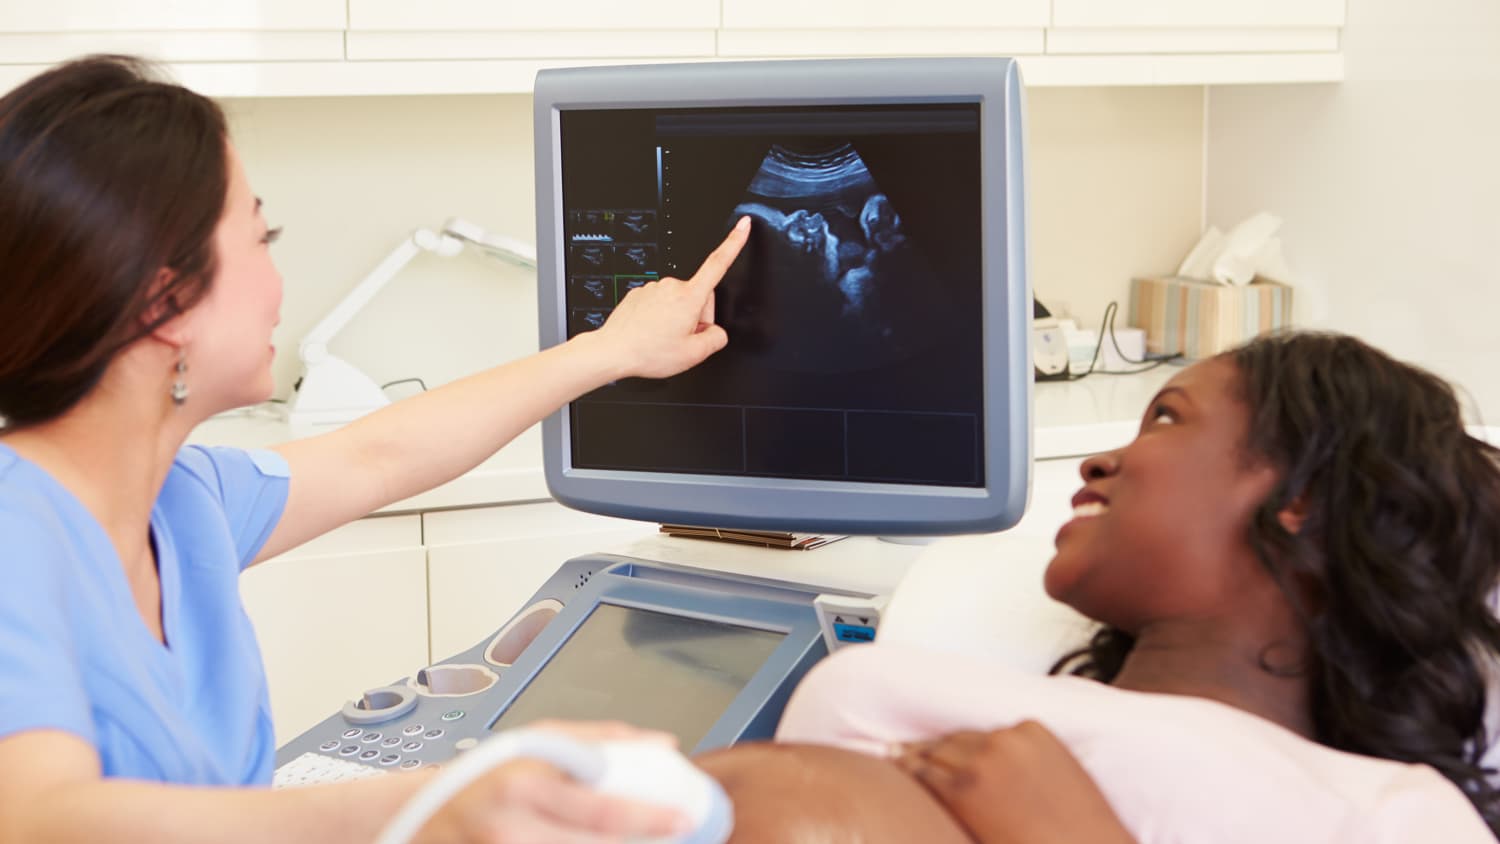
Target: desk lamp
<point>331,391</point>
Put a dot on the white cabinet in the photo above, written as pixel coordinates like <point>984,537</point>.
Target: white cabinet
<point>339,615</point>
<point>772,28</point>
<point>1201,27</point>
<point>173,30</point>
<point>862,14</point>
<point>1207,14</point>
<point>456,30</point>
<point>146,15</point>
<point>583,15</point>
<point>391,47</point>
<point>485,562</point>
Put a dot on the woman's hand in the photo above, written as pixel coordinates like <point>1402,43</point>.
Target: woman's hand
<point>1019,785</point>
<point>527,801</point>
<point>667,326</point>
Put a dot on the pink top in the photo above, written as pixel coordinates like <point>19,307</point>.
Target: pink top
<point>1175,768</point>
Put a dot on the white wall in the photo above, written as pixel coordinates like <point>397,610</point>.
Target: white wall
<point>1388,184</point>
<point>1116,191</point>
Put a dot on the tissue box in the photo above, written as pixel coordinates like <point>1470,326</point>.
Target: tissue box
<point>1199,319</point>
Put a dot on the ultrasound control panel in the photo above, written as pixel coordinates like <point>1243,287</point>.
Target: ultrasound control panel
<point>706,656</point>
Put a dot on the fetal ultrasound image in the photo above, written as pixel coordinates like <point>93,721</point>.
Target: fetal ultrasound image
<point>635,225</point>
<point>635,259</point>
<point>591,291</point>
<point>591,258</point>
<point>831,280</point>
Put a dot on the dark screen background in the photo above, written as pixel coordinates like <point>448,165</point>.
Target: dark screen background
<point>854,313</point>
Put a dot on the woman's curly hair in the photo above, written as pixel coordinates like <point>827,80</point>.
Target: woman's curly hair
<point>1393,569</point>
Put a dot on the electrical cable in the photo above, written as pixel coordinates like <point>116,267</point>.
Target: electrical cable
<point>1107,325</point>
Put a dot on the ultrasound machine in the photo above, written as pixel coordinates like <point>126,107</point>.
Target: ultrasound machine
<point>877,382</point>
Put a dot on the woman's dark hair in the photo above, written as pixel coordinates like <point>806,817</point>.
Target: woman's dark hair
<point>1393,570</point>
<point>107,178</point>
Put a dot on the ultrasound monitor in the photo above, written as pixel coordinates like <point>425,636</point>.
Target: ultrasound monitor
<point>878,374</point>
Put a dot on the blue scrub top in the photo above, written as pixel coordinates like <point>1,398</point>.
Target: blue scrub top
<point>75,654</point>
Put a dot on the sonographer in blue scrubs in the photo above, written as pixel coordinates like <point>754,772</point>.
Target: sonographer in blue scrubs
<point>138,298</point>
<point>191,711</point>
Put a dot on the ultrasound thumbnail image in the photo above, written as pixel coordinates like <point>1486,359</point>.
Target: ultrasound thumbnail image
<point>635,260</point>
<point>591,258</point>
<point>603,225</point>
<point>833,282</point>
<point>591,291</point>
<point>581,320</point>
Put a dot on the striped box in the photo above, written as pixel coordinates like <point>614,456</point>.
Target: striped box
<point>1199,319</point>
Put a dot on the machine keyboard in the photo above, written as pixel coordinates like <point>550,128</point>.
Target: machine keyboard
<point>314,768</point>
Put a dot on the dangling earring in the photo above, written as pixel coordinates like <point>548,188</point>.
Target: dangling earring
<point>179,386</point>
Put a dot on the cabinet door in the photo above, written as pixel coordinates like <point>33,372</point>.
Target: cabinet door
<point>1176,14</point>
<point>483,564</point>
<point>583,15</point>
<point>166,15</point>
<point>863,15</point>
<point>338,616</point>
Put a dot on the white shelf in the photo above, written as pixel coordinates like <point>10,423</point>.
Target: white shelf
<point>516,76</point>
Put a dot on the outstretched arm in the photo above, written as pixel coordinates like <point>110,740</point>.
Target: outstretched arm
<point>52,790</point>
<point>414,445</point>
<point>1018,785</point>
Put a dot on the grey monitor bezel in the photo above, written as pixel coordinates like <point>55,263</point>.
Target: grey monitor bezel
<point>791,504</point>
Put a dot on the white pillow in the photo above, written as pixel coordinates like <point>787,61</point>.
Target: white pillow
<point>982,595</point>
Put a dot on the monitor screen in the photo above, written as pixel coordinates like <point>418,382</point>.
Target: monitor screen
<point>853,312</point>
<point>877,377</point>
<point>657,670</point>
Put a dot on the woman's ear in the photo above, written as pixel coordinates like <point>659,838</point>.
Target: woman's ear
<point>1293,515</point>
<point>164,316</point>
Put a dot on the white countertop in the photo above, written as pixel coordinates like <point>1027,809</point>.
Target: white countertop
<point>1073,418</point>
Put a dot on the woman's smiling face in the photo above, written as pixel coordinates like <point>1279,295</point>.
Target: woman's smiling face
<point>1160,528</point>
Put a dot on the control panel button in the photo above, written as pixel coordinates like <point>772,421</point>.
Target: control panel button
<point>412,729</point>
<point>434,733</point>
<point>349,750</point>
<point>389,759</point>
<point>412,746</point>
<point>392,741</point>
<point>410,764</point>
<point>352,732</point>
<point>331,744</point>
<point>369,737</point>
<point>369,754</point>
<point>453,715</point>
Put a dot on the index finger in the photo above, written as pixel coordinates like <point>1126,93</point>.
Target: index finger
<point>718,261</point>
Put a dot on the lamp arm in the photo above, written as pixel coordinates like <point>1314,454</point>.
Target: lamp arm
<point>421,240</point>
<point>496,245</point>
